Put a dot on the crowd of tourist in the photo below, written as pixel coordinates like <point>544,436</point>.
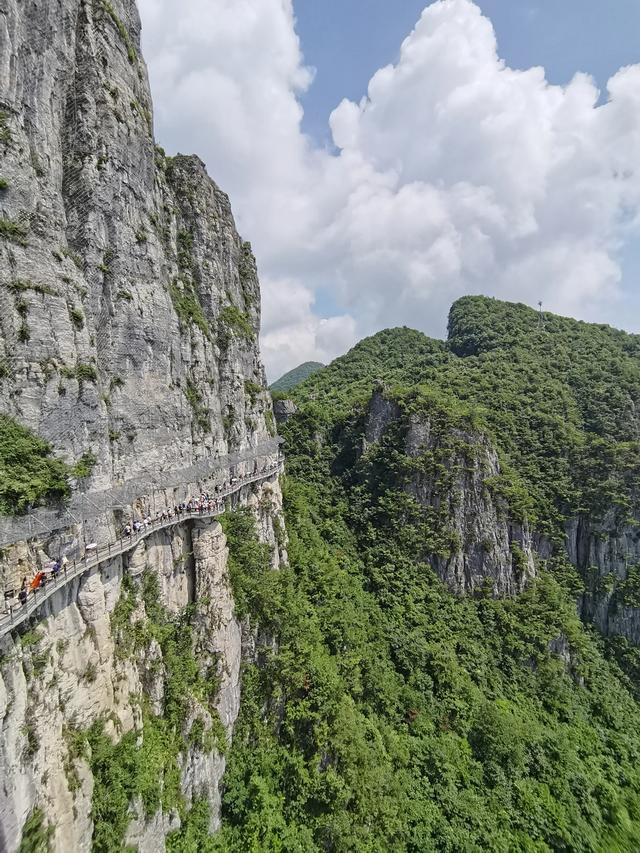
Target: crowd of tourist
<point>203,504</point>
<point>49,572</point>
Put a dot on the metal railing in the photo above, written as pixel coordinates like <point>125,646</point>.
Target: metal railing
<point>16,615</point>
<point>92,505</point>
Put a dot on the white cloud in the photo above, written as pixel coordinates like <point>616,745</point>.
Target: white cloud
<point>454,174</point>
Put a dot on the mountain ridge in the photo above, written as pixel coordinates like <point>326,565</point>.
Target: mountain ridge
<point>295,376</point>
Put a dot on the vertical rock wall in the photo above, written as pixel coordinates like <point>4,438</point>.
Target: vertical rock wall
<point>450,474</point>
<point>129,320</point>
<point>66,671</point>
<point>130,305</point>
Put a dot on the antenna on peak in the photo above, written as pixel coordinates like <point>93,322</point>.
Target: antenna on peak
<point>540,317</point>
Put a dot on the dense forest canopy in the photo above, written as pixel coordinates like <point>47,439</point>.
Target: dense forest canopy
<point>560,398</point>
<point>392,714</point>
<point>294,377</point>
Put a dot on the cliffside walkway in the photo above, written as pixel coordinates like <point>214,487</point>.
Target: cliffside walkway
<point>86,506</point>
<point>17,614</point>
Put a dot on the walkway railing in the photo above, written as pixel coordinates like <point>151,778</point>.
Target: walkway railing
<point>92,505</point>
<point>17,614</point>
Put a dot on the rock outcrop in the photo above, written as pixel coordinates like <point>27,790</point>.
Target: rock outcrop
<point>455,475</point>
<point>607,555</point>
<point>450,472</point>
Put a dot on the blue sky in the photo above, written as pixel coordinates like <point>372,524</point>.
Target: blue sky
<point>459,174</point>
<point>346,41</point>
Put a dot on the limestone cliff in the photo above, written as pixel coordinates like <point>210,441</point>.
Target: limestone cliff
<point>129,317</point>
<point>449,471</point>
<point>95,656</point>
<point>130,305</point>
<point>455,472</point>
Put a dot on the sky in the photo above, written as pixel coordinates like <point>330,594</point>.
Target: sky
<point>385,157</point>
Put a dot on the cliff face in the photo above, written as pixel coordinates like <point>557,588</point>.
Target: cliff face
<point>107,651</point>
<point>449,470</point>
<point>607,555</point>
<point>129,316</point>
<point>130,305</point>
<point>454,472</point>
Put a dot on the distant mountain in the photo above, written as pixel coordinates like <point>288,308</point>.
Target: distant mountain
<point>296,376</point>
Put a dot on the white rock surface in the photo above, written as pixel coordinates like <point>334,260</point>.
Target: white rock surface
<point>142,308</point>
<point>73,676</point>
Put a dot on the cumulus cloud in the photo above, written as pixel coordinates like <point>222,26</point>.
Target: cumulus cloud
<point>454,174</point>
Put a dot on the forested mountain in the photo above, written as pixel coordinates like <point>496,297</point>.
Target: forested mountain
<point>453,509</point>
<point>294,377</point>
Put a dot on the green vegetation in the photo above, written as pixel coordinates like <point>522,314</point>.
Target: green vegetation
<point>76,744</point>
<point>193,836</point>
<point>232,319</point>
<point>147,766</point>
<point>36,165</point>
<point>36,835</point>
<point>160,158</point>
<point>14,231</point>
<point>557,402</point>
<point>29,474</point>
<point>77,317</point>
<point>188,306</point>
<point>21,285</point>
<point>294,377</point>
<point>270,422</point>
<point>201,413</point>
<point>185,251</point>
<point>400,717</point>
<point>248,275</point>
<point>82,372</point>
<point>4,184</point>
<point>73,256</point>
<point>5,132</point>
<point>32,742</point>
<point>391,714</point>
<point>85,465</point>
<point>107,260</point>
<point>129,769</point>
<point>252,390</point>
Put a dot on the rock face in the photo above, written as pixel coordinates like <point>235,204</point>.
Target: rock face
<point>129,316</point>
<point>607,555</point>
<point>68,671</point>
<point>283,410</point>
<point>450,474</point>
<point>489,546</point>
<point>130,305</point>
